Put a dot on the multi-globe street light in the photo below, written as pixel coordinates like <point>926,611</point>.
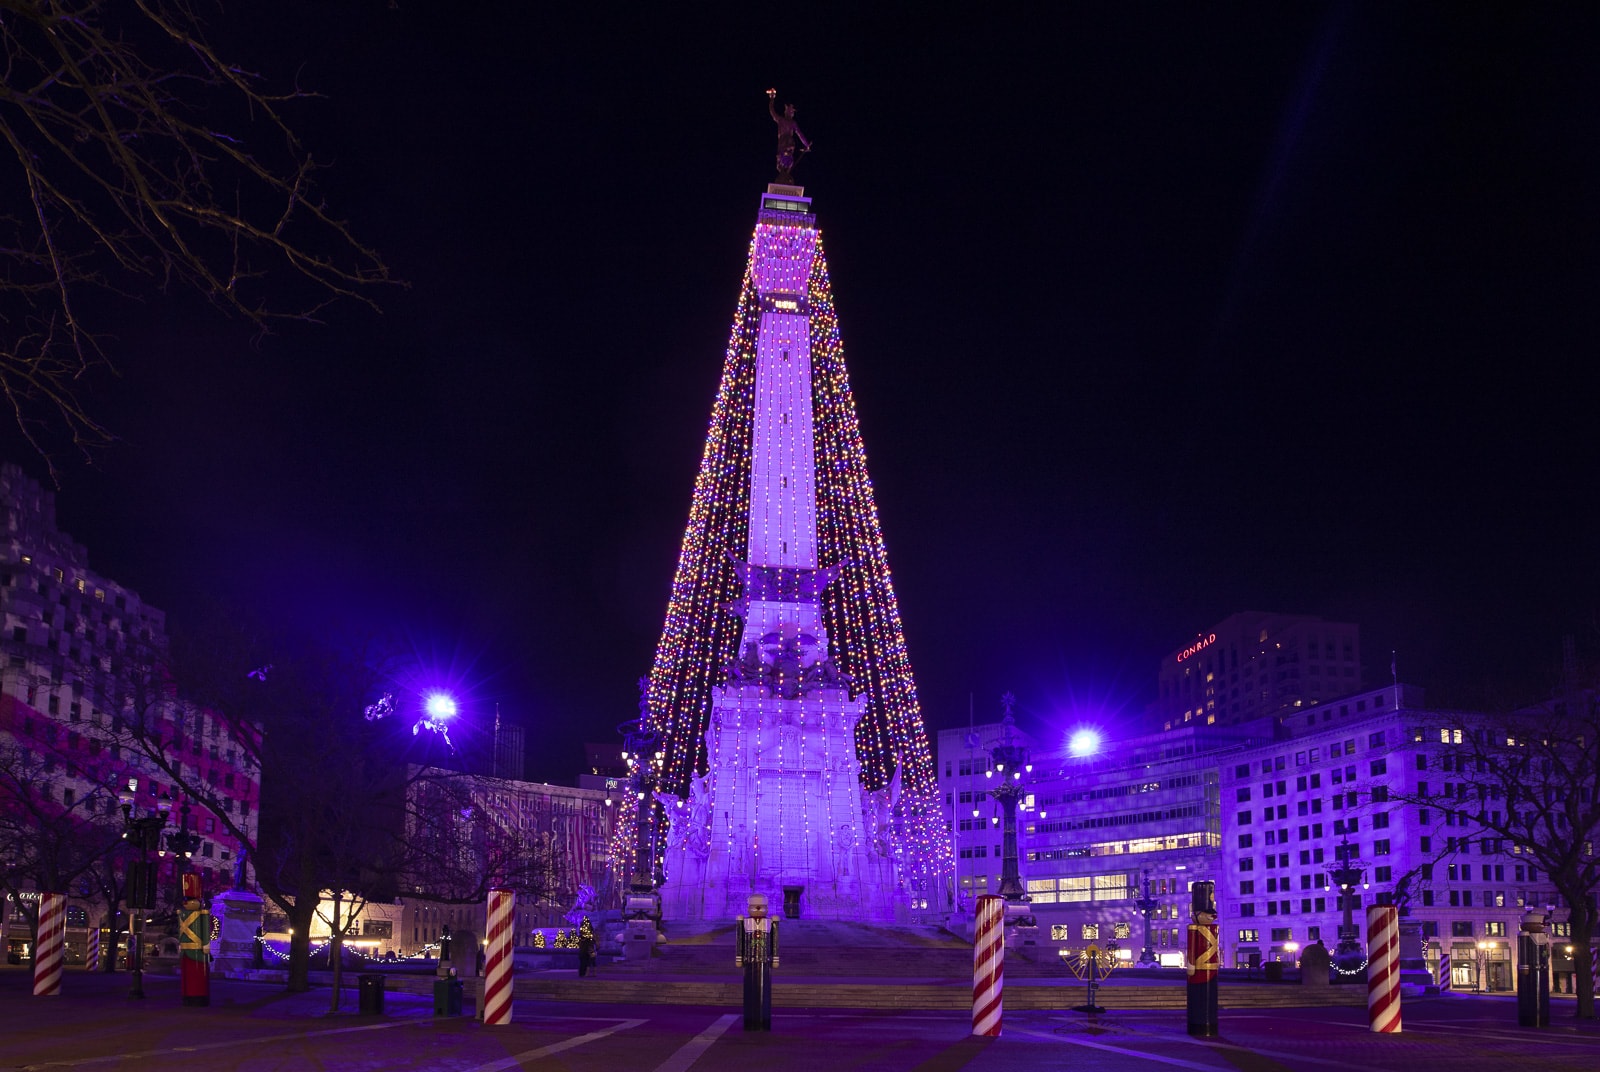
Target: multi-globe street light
<point>1010,763</point>
<point>143,833</point>
<point>1348,876</point>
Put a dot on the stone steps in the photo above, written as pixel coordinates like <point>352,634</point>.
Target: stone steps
<point>860,993</point>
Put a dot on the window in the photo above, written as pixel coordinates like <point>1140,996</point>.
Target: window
<point>1380,847</point>
<point>1119,930</point>
<point>1380,821</point>
<point>1244,818</point>
<point>1248,908</point>
<point>1243,794</point>
<point>1249,935</point>
<point>1246,840</point>
<point>1422,761</point>
<point>1375,740</point>
<point>1383,874</point>
<point>1247,887</point>
<point>1091,932</point>
<point>1282,934</point>
<point>1461,928</point>
<point>1379,766</point>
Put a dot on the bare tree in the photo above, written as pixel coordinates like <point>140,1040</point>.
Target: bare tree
<point>54,837</point>
<point>461,842</point>
<point>137,158</point>
<point>1525,782</point>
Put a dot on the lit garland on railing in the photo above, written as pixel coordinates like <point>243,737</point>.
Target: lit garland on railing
<point>860,611</point>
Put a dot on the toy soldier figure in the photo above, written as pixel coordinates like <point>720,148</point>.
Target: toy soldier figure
<point>1204,961</point>
<point>194,942</point>
<point>758,955</point>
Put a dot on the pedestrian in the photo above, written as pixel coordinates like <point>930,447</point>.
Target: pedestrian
<point>586,957</point>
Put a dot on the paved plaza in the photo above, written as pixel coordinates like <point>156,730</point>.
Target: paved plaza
<point>254,1027</point>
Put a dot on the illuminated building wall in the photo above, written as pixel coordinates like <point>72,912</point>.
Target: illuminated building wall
<point>1288,808</point>
<point>1091,829</point>
<point>1253,665</point>
<point>795,752</point>
<point>63,626</point>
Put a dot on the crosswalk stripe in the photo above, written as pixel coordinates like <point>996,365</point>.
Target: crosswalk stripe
<point>555,1047</point>
<point>690,1051</point>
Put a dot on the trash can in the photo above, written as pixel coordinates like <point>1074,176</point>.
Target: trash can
<point>447,997</point>
<point>371,995</point>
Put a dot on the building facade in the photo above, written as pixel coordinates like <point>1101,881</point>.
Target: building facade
<point>1345,779</point>
<point>1256,665</point>
<point>552,839</point>
<point>66,632</point>
<point>1269,811</point>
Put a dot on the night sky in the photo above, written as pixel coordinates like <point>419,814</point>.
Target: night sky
<point>1153,313</point>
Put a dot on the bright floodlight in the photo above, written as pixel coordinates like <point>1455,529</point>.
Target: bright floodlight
<point>1084,742</point>
<point>440,705</point>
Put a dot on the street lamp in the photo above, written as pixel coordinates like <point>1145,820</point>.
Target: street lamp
<point>1010,762</point>
<point>1348,876</point>
<point>142,832</point>
<point>1147,907</point>
<point>181,843</point>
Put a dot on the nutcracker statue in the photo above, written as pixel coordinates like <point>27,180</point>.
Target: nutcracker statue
<point>194,943</point>
<point>758,955</point>
<point>1203,961</point>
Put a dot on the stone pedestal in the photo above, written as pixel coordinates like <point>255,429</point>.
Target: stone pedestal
<point>465,949</point>
<point>638,939</point>
<point>1413,955</point>
<point>238,914</point>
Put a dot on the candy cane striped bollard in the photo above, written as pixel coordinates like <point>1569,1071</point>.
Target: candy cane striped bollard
<point>50,951</point>
<point>988,966</point>
<point>1444,971</point>
<point>92,961</point>
<point>497,958</point>
<point>1383,968</point>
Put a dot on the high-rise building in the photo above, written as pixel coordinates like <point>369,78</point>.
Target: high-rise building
<point>1253,665</point>
<point>795,761</point>
<point>67,634</point>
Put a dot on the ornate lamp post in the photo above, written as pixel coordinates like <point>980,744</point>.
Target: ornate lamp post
<point>1348,876</point>
<point>142,832</point>
<point>1147,907</point>
<point>181,843</point>
<point>1010,762</point>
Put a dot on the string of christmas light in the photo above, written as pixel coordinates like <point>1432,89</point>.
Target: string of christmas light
<point>860,613</point>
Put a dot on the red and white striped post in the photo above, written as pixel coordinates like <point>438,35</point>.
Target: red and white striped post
<point>92,961</point>
<point>989,966</point>
<point>497,958</point>
<point>1383,968</point>
<point>50,950</point>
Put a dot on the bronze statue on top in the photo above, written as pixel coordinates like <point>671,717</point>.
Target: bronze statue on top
<point>788,131</point>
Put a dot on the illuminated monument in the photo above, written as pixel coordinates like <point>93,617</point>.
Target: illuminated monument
<point>795,761</point>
